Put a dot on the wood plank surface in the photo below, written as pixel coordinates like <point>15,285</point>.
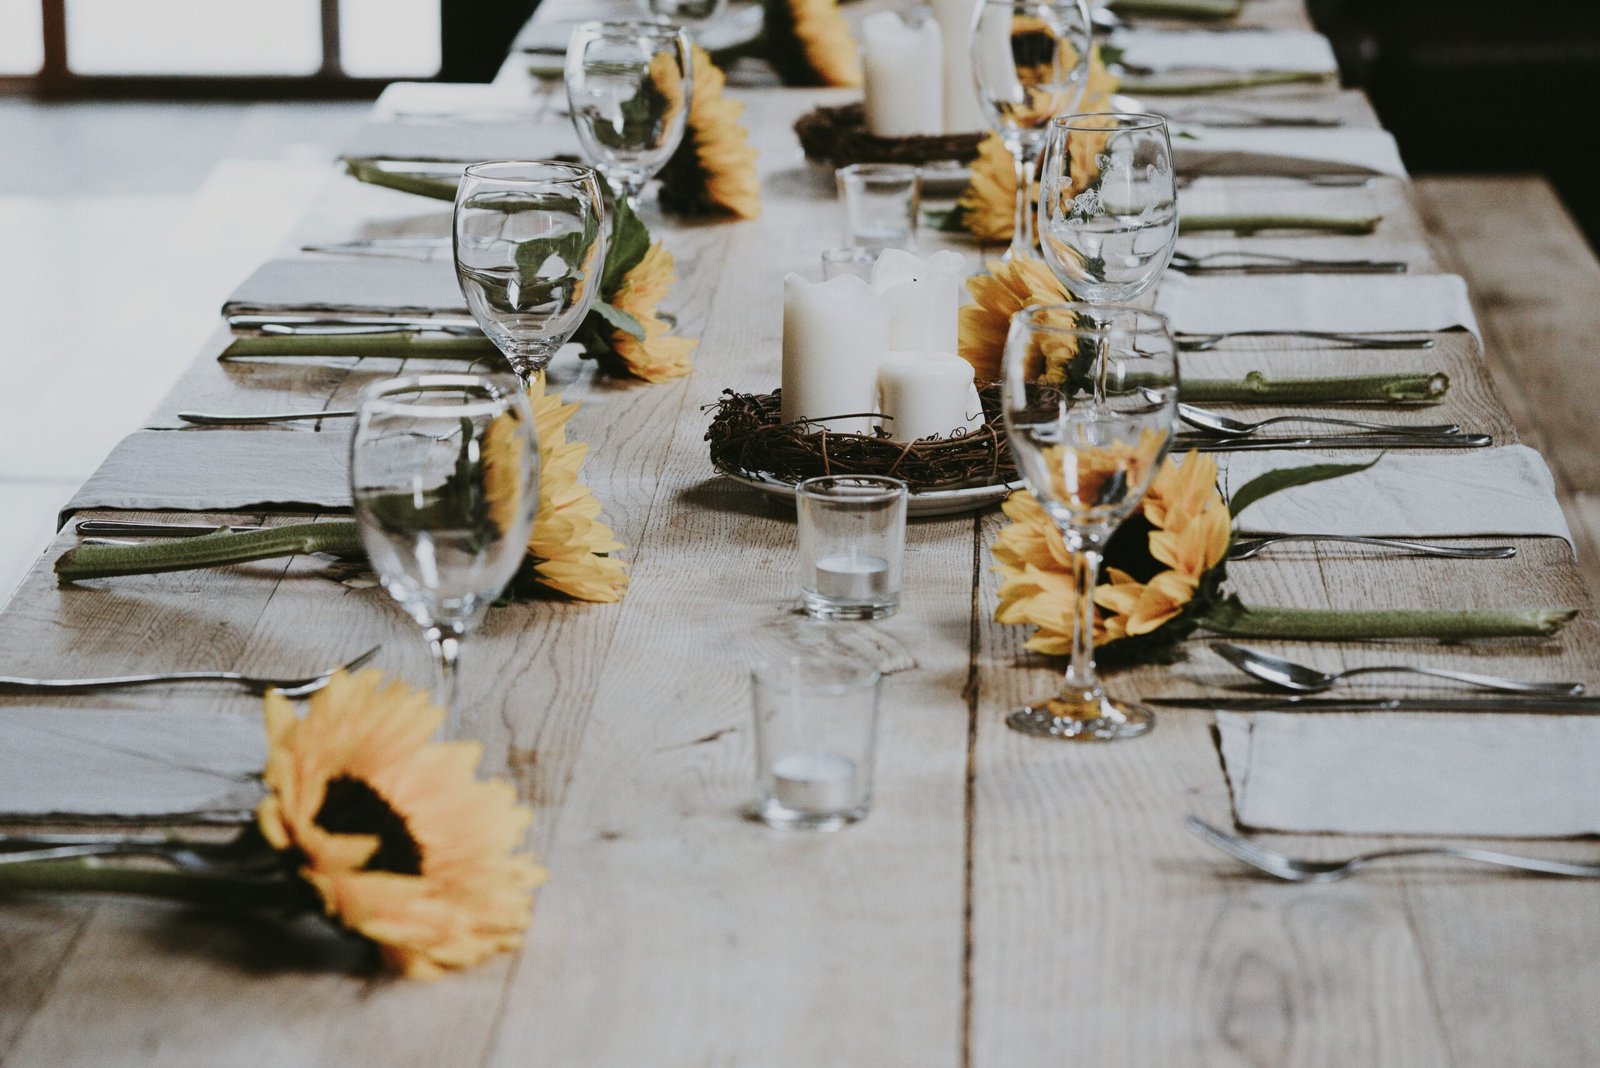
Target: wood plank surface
<point>1008,902</point>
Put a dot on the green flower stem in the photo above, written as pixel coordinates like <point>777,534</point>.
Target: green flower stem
<point>1252,224</point>
<point>212,550</point>
<point>1148,87</point>
<point>1257,387</point>
<point>399,345</point>
<point>1236,620</point>
<point>442,187</point>
<point>93,875</point>
<point>1177,9</point>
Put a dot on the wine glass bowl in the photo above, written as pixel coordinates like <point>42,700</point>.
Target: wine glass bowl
<point>628,90</point>
<point>1030,63</point>
<point>1090,398</point>
<point>444,477</point>
<point>530,247</point>
<point>1108,204</point>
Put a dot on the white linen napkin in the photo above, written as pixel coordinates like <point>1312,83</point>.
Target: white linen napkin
<point>1339,303</point>
<point>456,102</point>
<point>129,763</point>
<point>463,142</point>
<point>1282,150</point>
<point>404,287</point>
<point>1522,775</point>
<point>222,470</point>
<point>1508,492</point>
<point>1246,52</point>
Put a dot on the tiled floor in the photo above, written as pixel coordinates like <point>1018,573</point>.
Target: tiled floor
<point>122,227</point>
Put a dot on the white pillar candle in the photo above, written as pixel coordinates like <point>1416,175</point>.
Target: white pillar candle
<point>923,296</point>
<point>927,393</point>
<point>961,111</point>
<point>904,78</point>
<point>835,334</point>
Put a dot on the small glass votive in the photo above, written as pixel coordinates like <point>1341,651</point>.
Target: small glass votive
<point>848,260</point>
<point>816,735</point>
<point>881,203</point>
<point>852,532</point>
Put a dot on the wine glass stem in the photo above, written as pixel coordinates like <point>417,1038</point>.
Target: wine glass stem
<point>446,645</point>
<point>1022,228</point>
<point>1080,685</point>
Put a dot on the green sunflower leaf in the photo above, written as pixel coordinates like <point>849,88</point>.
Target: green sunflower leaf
<point>1287,477</point>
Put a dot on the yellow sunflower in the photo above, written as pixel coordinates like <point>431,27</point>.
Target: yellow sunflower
<point>658,356</point>
<point>810,43</point>
<point>667,80</point>
<point>997,296</point>
<point>401,841</point>
<point>504,479</point>
<point>570,545</point>
<point>1191,533</point>
<point>714,169</point>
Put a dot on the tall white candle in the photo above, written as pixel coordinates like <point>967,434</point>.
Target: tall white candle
<point>904,84</point>
<point>961,111</point>
<point>927,393</point>
<point>835,334</point>
<point>923,294</point>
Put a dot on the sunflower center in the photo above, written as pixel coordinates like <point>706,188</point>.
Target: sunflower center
<point>350,806</point>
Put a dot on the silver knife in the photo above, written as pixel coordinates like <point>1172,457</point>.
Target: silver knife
<point>1581,705</point>
<point>129,527</point>
<point>219,419</point>
<point>288,324</point>
<point>1377,440</point>
<point>398,247</point>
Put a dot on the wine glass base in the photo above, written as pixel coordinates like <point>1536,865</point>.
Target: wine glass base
<point>1104,721</point>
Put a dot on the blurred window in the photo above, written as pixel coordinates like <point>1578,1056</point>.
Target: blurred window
<point>21,37</point>
<point>389,38</point>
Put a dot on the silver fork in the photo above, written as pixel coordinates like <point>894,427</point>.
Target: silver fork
<point>1248,548</point>
<point>297,687</point>
<point>1294,870</point>
<point>1206,342</point>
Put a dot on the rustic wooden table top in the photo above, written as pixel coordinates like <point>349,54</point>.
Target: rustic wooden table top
<point>1008,901</point>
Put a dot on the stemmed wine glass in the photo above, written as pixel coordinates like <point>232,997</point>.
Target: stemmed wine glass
<point>1030,60</point>
<point>444,474</point>
<point>530,248</point>
<point>1108,204</point>
<point>1090,395</point>
<point>628,86</point>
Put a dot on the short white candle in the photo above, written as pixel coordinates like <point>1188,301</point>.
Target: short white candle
<point>904,79</point>
<point>927,393</point>
<point>835,334</point>
<point>814,782</point>
<point>961,111</point>
<point>924,294</point>
<point>852,577</point>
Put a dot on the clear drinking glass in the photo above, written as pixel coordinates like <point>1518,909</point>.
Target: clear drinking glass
<point>628,86</point>
<point>1108,204</point>
<point>1090,395</point>
<point>530,247</point>
<point>881,203</point>
<point>848,260</point>
<point>690,13</point>
<point>444,473</point>
<point>852,531</point>
<point>816,736</point>
<point>1030,60</point>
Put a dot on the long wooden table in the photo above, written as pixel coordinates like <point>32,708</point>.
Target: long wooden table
<point>1008,902</point>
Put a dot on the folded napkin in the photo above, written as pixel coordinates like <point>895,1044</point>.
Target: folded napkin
<point>1524,775</point>
<point>405,287</point>
<point>223,471</point>
<point>1250,50</point>
<point>1339,303</point>
<point>1279,150</point>
<point>134,764</point>
<point>1506,492</point>
<point>463,142</point>
<point>456,102</point>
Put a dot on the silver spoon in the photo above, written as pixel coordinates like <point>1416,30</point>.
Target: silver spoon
<point>1224,426</point>
<point>1206,342</point>
<point>1249,548</point>
<point>1288,675</point>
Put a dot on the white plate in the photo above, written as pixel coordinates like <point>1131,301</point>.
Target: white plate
<point>935,502</point>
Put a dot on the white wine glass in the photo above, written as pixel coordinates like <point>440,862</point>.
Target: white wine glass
<point>1030,63</point>
<point>1108,204</point>
<point>530,249</point>
<point>444,475</point>
<point>628,89</point>
<point>1090,396</point>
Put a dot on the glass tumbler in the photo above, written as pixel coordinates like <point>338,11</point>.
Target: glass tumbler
<point>816,723</point>
<point>852,532</point>
<point>881,203</point>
